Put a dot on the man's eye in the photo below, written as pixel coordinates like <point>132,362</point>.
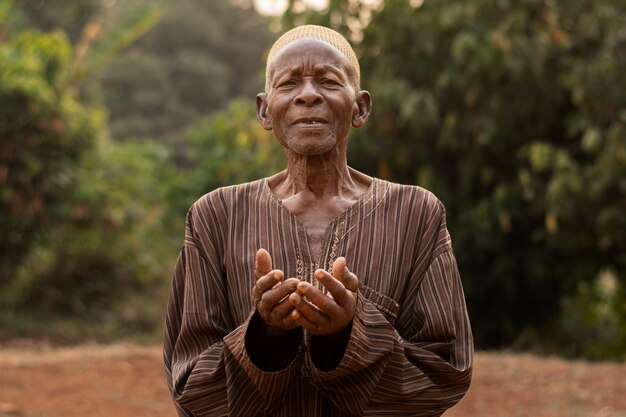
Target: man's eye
<point>287,83</point>
<point>328,82</point>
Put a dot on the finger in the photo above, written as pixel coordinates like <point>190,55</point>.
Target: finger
<point>335,288</point>
<point>282,312</point>
<point>269,281</point>
<point>316,301</point>
<point>278,317</point>
<point>266,283</point>
<point>288,322</point>
<point>341,272</point>
<point>279,292</point>
<point>292,284</point>
<point>307,308</point>
<point>302,321</point>
<point>263,263</point>
<point>307,315</point>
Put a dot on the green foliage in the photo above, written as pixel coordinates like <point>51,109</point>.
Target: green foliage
<point>116,39</point>
<point>5,8</point>
<point>105,264</point>
<point>71,16</point>
<point>84,236</point>
<point>592,323</point>
<point>594,319</point>
<point>91,227</point>
<point>198,57</point>
<point>512,113</point>
<point>44,131</point>
<point>230,147</point>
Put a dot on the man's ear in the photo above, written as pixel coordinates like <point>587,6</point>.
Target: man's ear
<point>363,108</point>
<point>261,111</point>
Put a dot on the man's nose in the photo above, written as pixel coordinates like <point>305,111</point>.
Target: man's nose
<point>308,94</point>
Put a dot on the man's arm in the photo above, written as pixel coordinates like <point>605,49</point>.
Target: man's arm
<point>208,369</point>
<point>420,375</point>
<point>273,338</point>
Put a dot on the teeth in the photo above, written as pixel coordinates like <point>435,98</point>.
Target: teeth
<point>310,122</point>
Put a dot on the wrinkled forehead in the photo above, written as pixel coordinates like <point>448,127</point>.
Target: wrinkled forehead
<point>310,55</point>
<point>319,34</point>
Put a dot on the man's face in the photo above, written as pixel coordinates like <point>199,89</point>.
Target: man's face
<point>310,97</point>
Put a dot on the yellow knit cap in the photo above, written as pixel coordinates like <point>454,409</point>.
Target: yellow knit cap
<point>320,33</point>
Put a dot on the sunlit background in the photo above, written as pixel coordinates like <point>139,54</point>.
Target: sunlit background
<point>116,115</point>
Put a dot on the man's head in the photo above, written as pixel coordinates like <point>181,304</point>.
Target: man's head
<point>319,33</point>
<point>312,96</point>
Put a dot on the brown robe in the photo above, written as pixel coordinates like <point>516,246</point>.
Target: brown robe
<point>408,352</point>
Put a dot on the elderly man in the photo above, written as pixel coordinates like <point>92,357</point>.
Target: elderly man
<point>319,291</point>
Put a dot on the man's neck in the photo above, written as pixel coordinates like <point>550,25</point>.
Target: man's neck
<point>321,175</point>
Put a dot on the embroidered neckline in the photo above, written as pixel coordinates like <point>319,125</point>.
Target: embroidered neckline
<point>341,226</point>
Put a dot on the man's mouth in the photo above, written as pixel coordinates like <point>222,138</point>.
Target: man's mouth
<point>310,121</point>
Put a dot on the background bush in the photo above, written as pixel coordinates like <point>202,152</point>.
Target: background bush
<point>511,112</point>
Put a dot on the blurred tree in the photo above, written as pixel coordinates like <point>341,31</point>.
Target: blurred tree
<point>69,15</point>
<point>229,147</point>
<point>44,132</point>
<point>593,323</point>
<point>81,220</point>
<point>104,264</point>
<point>200,56</point>
<point>513,114</point>
<point>83,21</point>
<point>44,128</point>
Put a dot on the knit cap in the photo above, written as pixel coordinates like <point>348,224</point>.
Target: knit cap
<point>315,32</point>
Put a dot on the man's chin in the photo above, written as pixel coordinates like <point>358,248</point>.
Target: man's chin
<point>311,145</point>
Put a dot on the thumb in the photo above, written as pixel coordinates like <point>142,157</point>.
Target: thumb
<point>340,269</point>
<point>263,263</point>
<point>343,274</point>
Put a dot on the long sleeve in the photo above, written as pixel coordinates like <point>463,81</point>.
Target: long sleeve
<point>408,351</point>
<point>425,370</point>
<point>208,370</point>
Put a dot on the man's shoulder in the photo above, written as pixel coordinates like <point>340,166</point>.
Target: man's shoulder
<point>228,195</point>
<point>413,195</point>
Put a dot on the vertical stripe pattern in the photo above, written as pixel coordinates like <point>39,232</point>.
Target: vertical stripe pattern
<point>410,348</point>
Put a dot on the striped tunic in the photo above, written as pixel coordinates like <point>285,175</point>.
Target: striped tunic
<point>410,348</point>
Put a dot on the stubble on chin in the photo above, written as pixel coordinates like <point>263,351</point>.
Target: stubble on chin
<point>312,146</point>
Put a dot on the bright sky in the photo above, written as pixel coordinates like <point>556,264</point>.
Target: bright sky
<point>277,7</point>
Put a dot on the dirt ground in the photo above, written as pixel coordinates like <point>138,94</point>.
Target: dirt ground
<point>125,380</point>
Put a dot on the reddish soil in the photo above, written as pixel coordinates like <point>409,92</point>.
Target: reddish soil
<point>127,380</point>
